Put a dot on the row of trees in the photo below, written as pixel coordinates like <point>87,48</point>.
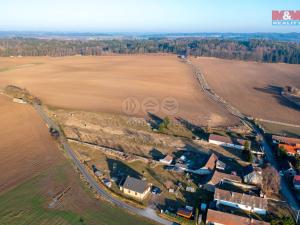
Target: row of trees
<point>256,50</point>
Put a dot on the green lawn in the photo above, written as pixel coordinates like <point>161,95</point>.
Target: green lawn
<point>27,205</point>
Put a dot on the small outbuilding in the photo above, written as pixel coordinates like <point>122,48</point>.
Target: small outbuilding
<point>167,160</point>
<point>107,182</point>
<point>220,165</point>
<point>185,212</point>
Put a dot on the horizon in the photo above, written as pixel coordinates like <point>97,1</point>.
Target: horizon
<point>144,16</point>
<point>138,33</point>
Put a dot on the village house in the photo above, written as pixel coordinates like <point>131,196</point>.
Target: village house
<point>208,168</point>
<point>167,160</point>
<point>241,201</point>
<point>296,182</point>
<point>291,150</point>
<point>221,218</point>
<point>286,140</point>
<point>227,141</point>
<point>288,168</point>
<point>135,188</point>
<point>252,175</point>
<point>220,178</point>
<point>290,145</point>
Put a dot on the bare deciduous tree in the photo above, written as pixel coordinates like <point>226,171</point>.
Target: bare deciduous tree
<point>271,180</point>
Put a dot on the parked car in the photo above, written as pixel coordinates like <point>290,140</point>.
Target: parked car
<point>156,191</point>
<point>281,173</point>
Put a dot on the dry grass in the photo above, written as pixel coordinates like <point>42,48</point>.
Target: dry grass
<point>253,88</point>
<point>102,83</point>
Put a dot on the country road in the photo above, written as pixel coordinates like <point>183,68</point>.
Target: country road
<point>285,190</point>
<point>147,213</point>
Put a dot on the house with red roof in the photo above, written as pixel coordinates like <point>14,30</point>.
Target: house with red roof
<point>296,182</point>
<point>291,150</point>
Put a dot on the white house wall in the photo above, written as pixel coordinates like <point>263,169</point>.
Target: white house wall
<point>243,207</point>
<point>226,144</point>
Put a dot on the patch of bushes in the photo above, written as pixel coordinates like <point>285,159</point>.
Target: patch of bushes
<point>21,93</point>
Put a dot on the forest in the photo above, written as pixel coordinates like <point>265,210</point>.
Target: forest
<point>249,50</point>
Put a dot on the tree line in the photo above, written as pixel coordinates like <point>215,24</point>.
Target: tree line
<point>252,50</point>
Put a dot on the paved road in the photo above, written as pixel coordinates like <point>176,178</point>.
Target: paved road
<point>286,192</point>
<point>148,212</point>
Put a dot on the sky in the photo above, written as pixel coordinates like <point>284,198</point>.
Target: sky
<point>144,15</point>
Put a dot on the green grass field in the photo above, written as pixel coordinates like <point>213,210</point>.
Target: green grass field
<point>28,204</point>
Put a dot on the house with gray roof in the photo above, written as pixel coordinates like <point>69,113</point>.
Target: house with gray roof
<point>135,188</point>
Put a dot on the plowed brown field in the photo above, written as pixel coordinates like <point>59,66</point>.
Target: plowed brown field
<point>103,83</point>
<point>26,148</point>
<point>254,88</point>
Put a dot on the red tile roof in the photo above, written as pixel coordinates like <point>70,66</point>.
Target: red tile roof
<point>230,219</point>
<point>297,180</point>
<point>168,158</point>
<point>288,148</point>
<point>218,176</point>
<point>185,213</point>
<point>211,162</point>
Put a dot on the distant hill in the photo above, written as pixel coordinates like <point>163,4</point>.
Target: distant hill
<point>291,37</point>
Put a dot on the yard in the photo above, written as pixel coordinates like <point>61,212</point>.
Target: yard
<point>157,175</point>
